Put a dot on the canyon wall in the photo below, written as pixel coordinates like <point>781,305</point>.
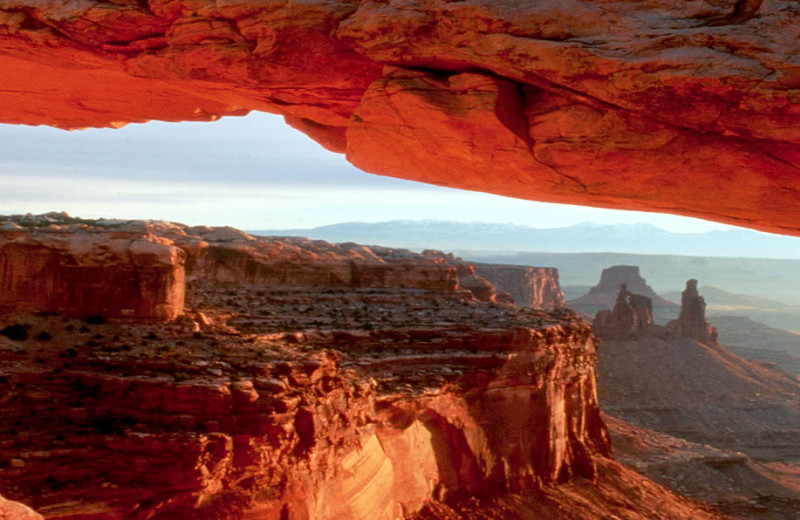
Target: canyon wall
<point>135,269</point>
<point>289,262</point>
<point>119,275</point>
<point>536,287</point>
<point>293,435</point>
<point>582,102</point>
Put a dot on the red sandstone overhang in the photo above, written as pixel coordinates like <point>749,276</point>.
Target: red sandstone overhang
<point>681,106</point>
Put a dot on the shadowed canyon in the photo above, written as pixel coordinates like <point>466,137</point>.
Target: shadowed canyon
<point>153,370</point>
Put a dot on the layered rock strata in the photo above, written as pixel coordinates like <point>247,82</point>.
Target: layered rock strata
<point>111,274</point>
<point>587,102</point>
<point>155,422</point>
<point>223,255</point>
<point>536,287</point>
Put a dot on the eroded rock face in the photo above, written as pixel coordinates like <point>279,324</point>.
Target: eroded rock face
<point>15,511</point>
<point>622,104</point>
<point>536,287</point>
<point>632,316</point>
<point>342,424</point>
<point>111,274</point>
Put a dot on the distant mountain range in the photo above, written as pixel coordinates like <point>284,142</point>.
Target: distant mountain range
<point>581,238</point>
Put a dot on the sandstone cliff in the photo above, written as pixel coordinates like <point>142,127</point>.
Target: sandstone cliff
<point>585,102</point>
<point>55,262</point>
<point>111,274</point>
<point>536,287</point>
<point>154,422</point>
<point>332,395</point>
<point>15,511</point>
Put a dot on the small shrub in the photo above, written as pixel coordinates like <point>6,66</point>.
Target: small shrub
<point>16,332</point>
<point>44,336</point>
<point>95,320</point>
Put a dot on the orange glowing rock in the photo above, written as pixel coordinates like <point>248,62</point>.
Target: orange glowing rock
<point>680,107</point>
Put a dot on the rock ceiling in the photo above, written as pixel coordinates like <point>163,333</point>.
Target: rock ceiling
<point>681,106</point>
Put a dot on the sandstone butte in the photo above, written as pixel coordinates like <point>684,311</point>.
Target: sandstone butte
<point>688,107</point>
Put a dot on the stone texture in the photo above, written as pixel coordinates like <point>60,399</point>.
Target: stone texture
<point>611,104</point>
<point>106,273</point>
<point>326,424</point>
<point>15,511</point>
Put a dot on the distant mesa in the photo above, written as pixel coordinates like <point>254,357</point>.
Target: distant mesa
<point>605,294</point>
<point>632,318</point>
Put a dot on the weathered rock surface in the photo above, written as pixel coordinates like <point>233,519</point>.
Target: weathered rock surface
<point>613,104</point>
<point>111,274</point>
<point>57,263</point>
<point>536,287</point>
<point>156,422</point>
<point>308,399</point>
<point>15,511</point>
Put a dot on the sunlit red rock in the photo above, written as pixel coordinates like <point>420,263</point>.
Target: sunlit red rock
<point>15,511</point>
<point>682,107</point>
<point>377,391</point>
<point>109,274</point>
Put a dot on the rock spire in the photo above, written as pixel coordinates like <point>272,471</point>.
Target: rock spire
<point>691,322</point>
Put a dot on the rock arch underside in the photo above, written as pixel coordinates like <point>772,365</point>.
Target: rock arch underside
<point>681,106</point>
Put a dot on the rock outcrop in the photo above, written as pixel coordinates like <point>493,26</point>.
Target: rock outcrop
<point>691,322</point>
<point>75,250</point>
<point>325,398</point>
<point>605,294</point>
<point>161,421</point>
<point>15,511</point>
<point>110,274</point>
<point>582,102</point>
<point>631,317</point>
<point>536,287</point>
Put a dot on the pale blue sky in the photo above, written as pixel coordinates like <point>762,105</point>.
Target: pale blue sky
<point>252,173</point>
